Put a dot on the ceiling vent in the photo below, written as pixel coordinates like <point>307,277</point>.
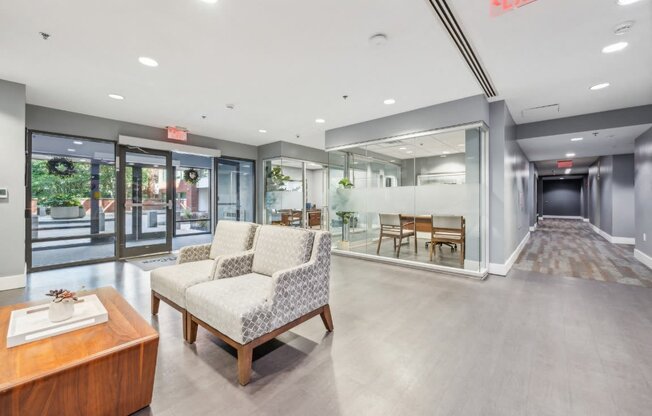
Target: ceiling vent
<point>459,38</point>
<point>541,112</point>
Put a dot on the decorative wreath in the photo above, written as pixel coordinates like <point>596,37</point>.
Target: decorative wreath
<point>191,176</point>
<point>61,166</point>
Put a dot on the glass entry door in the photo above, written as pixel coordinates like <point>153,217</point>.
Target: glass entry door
<point>146,184</point>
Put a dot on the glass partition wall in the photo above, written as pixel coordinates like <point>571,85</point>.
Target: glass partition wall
<point>296,193</point>
<point>420,199</point>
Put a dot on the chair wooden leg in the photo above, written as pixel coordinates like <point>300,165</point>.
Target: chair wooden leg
<point>416,243</point>
<point>380,239</point>
<point>327,318</point>
<point>185,319</point>
<point>462,254</point>
<point>398,251</point>
<point>155,303</point>
<point>191,329</point>
<point>245,357</point>
<point>431,249</point>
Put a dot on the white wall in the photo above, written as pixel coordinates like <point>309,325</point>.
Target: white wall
<point>12,177</point>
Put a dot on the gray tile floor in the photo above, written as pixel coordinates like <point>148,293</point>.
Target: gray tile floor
<point>410,342</point>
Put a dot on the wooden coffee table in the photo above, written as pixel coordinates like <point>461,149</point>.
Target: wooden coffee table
<point>106,369</point>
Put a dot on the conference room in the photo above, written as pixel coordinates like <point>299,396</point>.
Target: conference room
<point>418,199</point>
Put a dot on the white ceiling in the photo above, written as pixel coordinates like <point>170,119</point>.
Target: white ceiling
<point>549,52</point>
<point>606,142</point>
<point>283,63</point>
<point>426,146</point>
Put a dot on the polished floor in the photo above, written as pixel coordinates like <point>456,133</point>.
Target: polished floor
<point>570,248</point>
<point>409,342</point>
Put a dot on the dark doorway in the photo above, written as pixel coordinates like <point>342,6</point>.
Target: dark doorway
<point>562,197</point>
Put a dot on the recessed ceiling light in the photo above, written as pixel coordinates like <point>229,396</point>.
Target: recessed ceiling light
<point>409,151</point>
<point>577,139</point>
<point>210,1</point>
<point>567,171</point>
<point>393,160</point>
<point>402,148</point>
<point>600,86</point>
<point>626,2</point>
<point>147,61</point>
<point>389,101</point>
<point>262,131</point>
<point>570,154</point>
<point>71,150</point>
<point>78,142</point>
<point>116,96</point>
<point>461,145</point>
<point>445,152</point>
<point>615,47</point>
<point>561,179</point>
<point>320,120</point>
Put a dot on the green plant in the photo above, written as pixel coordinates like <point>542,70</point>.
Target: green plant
<point>345,216</point>
<point>60,200</point>
<point>276,179</point>
<point>345,183</point>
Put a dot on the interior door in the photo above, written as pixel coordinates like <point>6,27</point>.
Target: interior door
<point>228,190</point>
<point>145,201</point>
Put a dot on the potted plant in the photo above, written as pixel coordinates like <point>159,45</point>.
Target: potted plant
<point>63,206</point>
<point>62,306</point>
<point>345,216</point>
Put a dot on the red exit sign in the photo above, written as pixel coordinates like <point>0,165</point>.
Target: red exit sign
<point>498,7</point>
<point>178,134</point>
<point>563,164</point>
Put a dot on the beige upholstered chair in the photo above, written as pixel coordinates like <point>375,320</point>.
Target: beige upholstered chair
<point>396,227</point>
<point>196,264</point>
<point>449,230</point>
<point>260,294</point>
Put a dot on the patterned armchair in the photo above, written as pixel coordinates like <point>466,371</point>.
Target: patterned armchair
<point>197,264</point>
<point>258,295</point>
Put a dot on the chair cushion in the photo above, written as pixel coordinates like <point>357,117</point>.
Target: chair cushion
<point>232,237</point>
<point>278,248</point>
<point>172,281</point>
<point>239,307</point>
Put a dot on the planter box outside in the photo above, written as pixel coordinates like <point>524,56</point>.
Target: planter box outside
<point>62,213</point>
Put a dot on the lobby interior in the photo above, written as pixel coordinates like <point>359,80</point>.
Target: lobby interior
<point>464,185</point>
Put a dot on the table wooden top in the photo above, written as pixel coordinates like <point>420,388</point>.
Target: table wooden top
<point>24,363</point>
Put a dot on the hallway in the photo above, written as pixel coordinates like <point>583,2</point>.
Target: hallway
<point>570,248</point>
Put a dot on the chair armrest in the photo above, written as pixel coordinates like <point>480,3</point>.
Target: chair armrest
<point>233,265</point>
<point>194,253</point>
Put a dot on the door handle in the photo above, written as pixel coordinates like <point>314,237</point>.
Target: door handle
<point>169,204</point>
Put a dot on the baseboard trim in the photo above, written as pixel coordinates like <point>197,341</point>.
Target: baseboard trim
<point>564,217</point>
<point>534,227</point>
<point>612,239</point>
<point>643,258</point>
<point>13,282</point>
<point>585,219</point>
<point>502,269</point>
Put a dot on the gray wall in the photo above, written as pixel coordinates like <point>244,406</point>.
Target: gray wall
<point>453,113</point>
<point>66,122</point>
<point>623,196</point>
<point>510,198</point>
<point>12,172</point>
<point>611,195</point>
<point>517,172</point>
<point>533,178</point>
<point>562,197</point>
<point>643,192</point>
